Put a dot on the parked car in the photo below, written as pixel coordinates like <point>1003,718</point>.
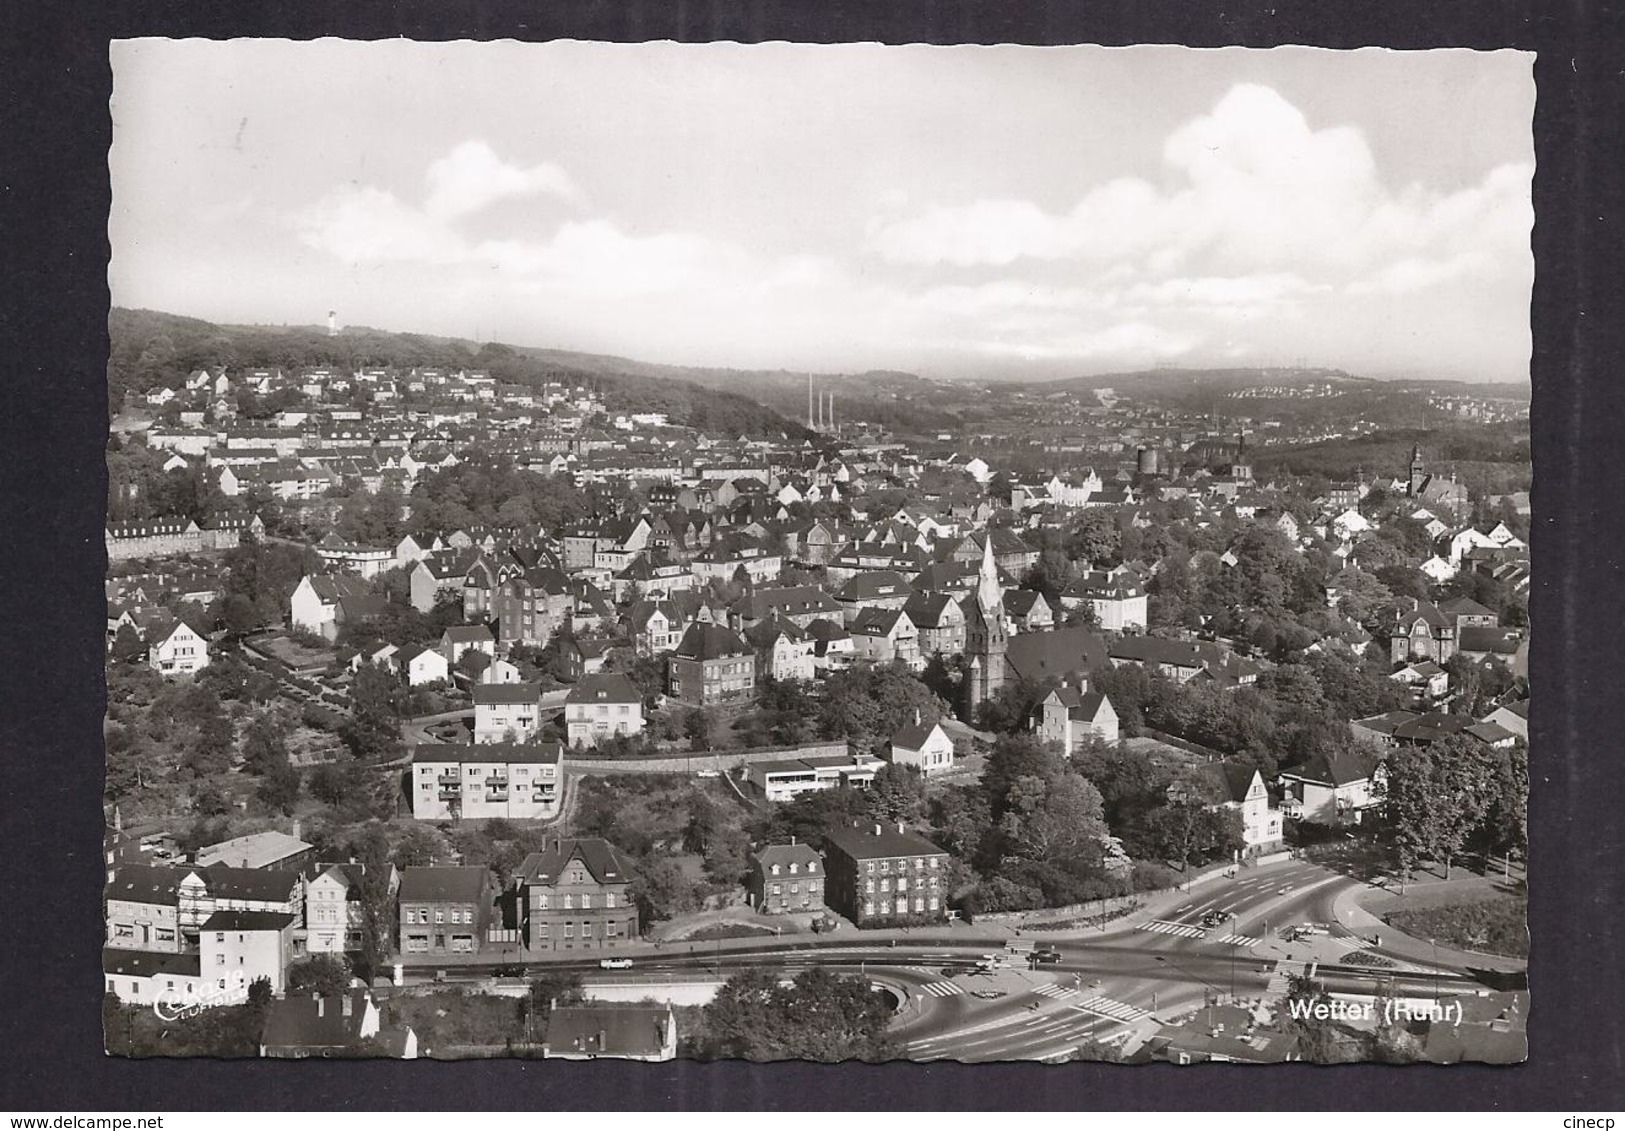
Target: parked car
<point>615,963</point>
<point>955,969</point>
<point>1044,957</point>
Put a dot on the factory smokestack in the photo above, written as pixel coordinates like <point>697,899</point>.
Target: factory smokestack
<point>809,402</point>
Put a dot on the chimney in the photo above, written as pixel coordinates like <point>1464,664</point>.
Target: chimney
<point>916,716</point>
<point>600,1040</point>
<point>321,1006</point>
<point>297,826</point>
<point>877,830</point>
<point>899,826</point>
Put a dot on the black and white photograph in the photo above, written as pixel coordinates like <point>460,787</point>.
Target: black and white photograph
<point>818,552</point>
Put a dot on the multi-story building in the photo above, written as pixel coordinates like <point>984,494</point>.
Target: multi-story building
<point>517,782</point>
<point>334,916</point>
<point>711,665</point>
<point>786,878</point>
<point>1230,786</point>
<point>1071,714</point>
<point>237,948</point>
<point>444,910</point>
<point>507,712</point>
<point>151,538</point>
<point>143,909</point>
<point>178,650</point>
<point>787,779</point>
<point>576,894</point>
<point>532,606</point>
<point>600,706</point>
<point>1119,603</point>
<point>879,873</point>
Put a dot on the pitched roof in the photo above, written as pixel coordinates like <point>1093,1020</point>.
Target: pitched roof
<point>504,753</point>
<point>467,634</point>
<point>1337,767</point>
<point>602,859</point>
<point>263,885</point>
<point>311,1021</point>
<point>786,854</point>
<point>507,694</point>
<point>147,963</point>
<point>874,585</point>
<point>866,844</point>
<point>453,884</point>
<point>145,883</point>
<point>704,641</point>
<point>1482,638</point>
<point>915,735</point>
<point>1059,652</point>
<point>249,921</point>
<point>606,687</point>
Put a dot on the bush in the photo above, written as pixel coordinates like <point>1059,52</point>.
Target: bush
<point>1151,876</point>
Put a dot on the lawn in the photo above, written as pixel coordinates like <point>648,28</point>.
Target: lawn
<point>1494,923</point>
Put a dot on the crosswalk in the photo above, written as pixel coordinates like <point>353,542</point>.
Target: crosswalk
<point>1103,1006</point>
<point>1164,927</point>
<point>1238,940</point>
<point>943,989</point>
<point>1116,1010</point>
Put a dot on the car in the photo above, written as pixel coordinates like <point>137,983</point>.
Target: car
<point>953,970</point>
<point>1212,919</point>
<point>1044,957</point>
<point>615,963</point>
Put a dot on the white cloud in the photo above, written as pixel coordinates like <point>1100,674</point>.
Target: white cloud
<point>1251,191</point>
<point>472,176</point>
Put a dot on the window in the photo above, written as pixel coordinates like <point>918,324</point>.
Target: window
<point>885,865</point>
<point>869,866</point>
<point>569,930</point>
<point>775,869</point>
<point>439,916</point>
<point>219,960</point>
<point>794,868</point>
<point>812,865</point>
<point>586,902</point>
<point>869,886</point>
<point>778,889</point>
<point>609,899</point>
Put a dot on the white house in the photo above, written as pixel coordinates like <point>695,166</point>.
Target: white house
<point>314,606</point>
<point>1069,716</point>
<point>493,780</point>
<point>506,712</point>
<point>600,706</point>
<point>925,745</point>
<point>426,665</point>
<point>500,671</point>
<point>180,651</point>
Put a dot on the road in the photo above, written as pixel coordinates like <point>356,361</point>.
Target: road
<point>1111,987</point>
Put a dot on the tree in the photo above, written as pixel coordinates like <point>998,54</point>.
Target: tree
<point>279,789</point>
<point>1437,796</point>
<point>265,745</point>
<point>661,890</point>
<point>323,974</point>
<point>128,646</point>
<point>897,793</point>
<point>1360,594</point>
<point>697,728</point>
<point>473,663</point>
<point>821,1016</point>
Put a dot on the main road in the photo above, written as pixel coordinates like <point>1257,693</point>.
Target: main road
<point>1224,942</point>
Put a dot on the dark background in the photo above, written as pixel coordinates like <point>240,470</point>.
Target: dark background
<point>55,80</point>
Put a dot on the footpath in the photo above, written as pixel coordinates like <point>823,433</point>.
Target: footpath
<point>1351,912</point>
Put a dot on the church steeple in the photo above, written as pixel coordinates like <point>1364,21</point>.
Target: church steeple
<point>987,633</point>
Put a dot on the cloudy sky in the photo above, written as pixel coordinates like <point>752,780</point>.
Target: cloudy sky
<point>954,211</point>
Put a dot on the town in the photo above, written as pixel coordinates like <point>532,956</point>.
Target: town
<point>465,703</point>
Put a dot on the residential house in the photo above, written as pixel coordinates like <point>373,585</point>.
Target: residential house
<point>939,622</point>
<point>833,649</point>
<point>444,910</point>
<point>460,638</point>
<point>923,745</point>
<point>1072,715</point>
<point>656,626</point>
<point>238,948</point>
<point>506,712</point>
<point>533,605</point>
<point>179,650</point>
<point>600,706</point>
<point>143,909</point>
<point>314,606</point>
<point>1027,611</point>
<point>1333,788</point>
<point>334,914</point>
<point>783,650</point>
<point>1227,785</point>
<point>424,666</point>
<point>881,635</point>
<point>494,779</point>
<point>435,577</point>
<point>711,665</point>
<point>881,873</point>
<point>873,589</point>
<point>1513,717</point>
<point>785,879</point>
<point>1119,603</point>
<point>332,1025</point>
<point>576,894</point>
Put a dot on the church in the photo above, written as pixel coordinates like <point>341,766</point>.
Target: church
<point>1434,489</point>
<point>987,633</point>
